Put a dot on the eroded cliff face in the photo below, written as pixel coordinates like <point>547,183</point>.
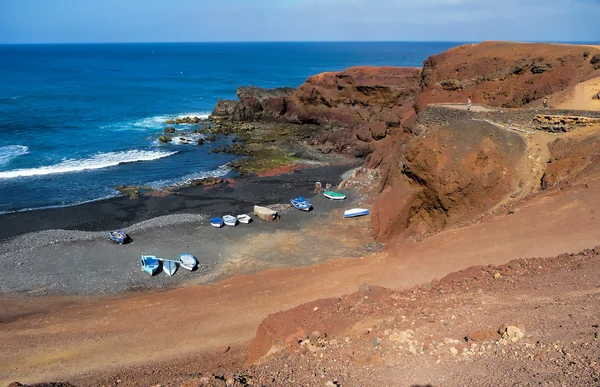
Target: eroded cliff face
<point>504,74</point>
<point>447,176</point>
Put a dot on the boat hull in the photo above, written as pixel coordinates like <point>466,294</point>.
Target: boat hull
<point>230,221</point>
<point>216,222</point>
<point>149,264</point>
<point>301,204</point>
<point>244,219</point>
<point>169,267</point>
<point>187,261</point>
<point>356,212</point>
<point>334,195</point>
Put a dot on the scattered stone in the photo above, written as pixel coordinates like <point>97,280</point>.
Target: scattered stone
<point>265,213</point>
<point>512,333</point>
<point>225,349</point>
<point>453,351</point>
<point>539,68</point>
<point>597,250</point>
<point>209,181</point>
<point>316,308</point>
<point>375,341</point>
<point>484,335</point>
<point>497,275</point>
<point>200,141</point>
<point>365,288</point>
<point>169,129</point>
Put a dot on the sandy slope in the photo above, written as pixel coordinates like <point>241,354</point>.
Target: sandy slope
<point>97,336</point>
<point>579,97</point>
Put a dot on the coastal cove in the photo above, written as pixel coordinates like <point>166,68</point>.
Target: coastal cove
<point>78,120</point>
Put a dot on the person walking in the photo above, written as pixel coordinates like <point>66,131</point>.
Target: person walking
<point>469,103</point>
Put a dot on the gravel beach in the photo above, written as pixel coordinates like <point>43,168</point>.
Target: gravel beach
<point>66,251</point>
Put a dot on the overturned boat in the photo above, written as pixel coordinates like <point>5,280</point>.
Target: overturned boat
<point>354,212</point>
<point>118,236</point>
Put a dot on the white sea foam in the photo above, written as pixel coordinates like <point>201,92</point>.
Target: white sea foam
<point>98,161</point>
<point>9,152</point>
<point>218,172</point>
<point>154,122</point>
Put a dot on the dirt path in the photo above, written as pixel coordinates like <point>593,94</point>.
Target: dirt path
<point>97,336</point>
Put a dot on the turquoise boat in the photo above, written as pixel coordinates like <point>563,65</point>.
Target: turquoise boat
<point>149,264</point>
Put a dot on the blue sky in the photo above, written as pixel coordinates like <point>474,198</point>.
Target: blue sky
<point>80,21</point>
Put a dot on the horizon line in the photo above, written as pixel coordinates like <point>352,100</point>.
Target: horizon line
<point>297,41</point>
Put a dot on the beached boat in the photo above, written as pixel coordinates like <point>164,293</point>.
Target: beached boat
<point>149,264</point>
<point>216,222</point>
<point>265,213</point>
<point>169,267</point>
<point>229,220</point>
<point>334,195</point>
<point>355,212</point>
<point>187,261</point>
<point>301,203</point>
<point>244,219</point>
<point>118,236</point>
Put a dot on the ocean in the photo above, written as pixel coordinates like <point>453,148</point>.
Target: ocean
<point>76,120</point>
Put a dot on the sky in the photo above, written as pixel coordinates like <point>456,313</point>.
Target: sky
<point>87,21</point>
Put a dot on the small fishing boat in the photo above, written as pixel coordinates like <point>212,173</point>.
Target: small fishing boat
<point>244,219</point>
<point>334,195</point>
<point>187,261</point>
<point>118,236</point>
<point>301,203</point>
<point>169,267</point>
<point>216,222</point>
<point>355,212</point>
<point>230,220</point>
<point>149,264</point>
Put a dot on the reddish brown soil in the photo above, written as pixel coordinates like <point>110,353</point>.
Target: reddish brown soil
<point>282,170</point>
<point>87,341</point>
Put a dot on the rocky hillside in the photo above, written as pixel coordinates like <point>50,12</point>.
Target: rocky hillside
<point>505,74</point>
<point>431,181</point>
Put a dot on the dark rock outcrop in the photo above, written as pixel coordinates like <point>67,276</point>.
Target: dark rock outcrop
<point>255,104</point>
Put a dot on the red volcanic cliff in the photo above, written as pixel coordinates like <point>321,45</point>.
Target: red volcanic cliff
<point>446,176</point>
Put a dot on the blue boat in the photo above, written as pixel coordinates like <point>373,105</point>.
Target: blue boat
<point>216,222</point>
<point>118,236</point>
<point>149,264</point>
<point>301,203</point>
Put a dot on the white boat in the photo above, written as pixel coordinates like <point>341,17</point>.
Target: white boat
<point>187,261</point>
<point>355,212</point>
<point>244,219</point>
<point>229,220</point>
<point>169,267</point>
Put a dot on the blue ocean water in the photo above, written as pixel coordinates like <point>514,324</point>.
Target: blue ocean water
<point>77,120</point>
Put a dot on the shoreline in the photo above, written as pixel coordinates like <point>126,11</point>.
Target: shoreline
<point>66,251</point>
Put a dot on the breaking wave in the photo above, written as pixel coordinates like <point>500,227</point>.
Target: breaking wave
<point>98,161</point>
<point>9,152</point>
<point>155,122</point>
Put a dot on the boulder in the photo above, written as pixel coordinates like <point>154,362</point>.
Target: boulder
<point>207,181</point>
<point>265,213</point>
<point>169,129</point>
<point>164,139</point>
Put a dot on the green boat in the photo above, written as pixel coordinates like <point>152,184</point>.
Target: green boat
<point>334,195</point>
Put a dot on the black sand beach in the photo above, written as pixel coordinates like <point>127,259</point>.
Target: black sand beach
<point>66,251</point>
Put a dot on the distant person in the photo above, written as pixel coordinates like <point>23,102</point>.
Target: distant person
<point>545,103</point>
<point>469,103</point>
